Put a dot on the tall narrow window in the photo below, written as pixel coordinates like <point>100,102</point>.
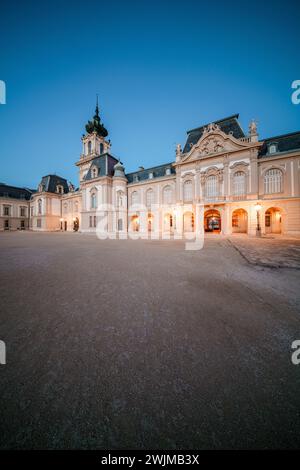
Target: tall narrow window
<point>239,183</point>
<point>188,191</point>
<point>101,148</point>
<point>93,200</point>
<point>89,147</point>
<point>273,181</point>
<point>135,198</point>
<point>150,197</point>
<point>167,195</point>
<point>211,186</point>
<point>39,207</point>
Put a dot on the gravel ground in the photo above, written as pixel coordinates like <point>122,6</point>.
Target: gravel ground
<point>140,344</point>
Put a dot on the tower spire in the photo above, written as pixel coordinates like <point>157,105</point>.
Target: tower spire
<point>97,106</point>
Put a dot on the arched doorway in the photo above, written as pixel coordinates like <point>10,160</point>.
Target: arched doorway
<point>212,221</point>
<point>75,224</point>
<point>135,223</point>
<point>150,222</point>
<point>188,222</point>
<point>168,222</point>
<point>239,221</point>
<point>273,220</point>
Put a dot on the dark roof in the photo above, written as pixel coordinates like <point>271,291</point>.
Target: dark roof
<point>50,182</point>
<point>105,164</point>
<point>285,143</point>
<point>227,125</point>
<point>143,174</point>
<point>15,192</point>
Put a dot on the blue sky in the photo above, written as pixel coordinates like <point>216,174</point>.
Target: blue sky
<point>159,67</point>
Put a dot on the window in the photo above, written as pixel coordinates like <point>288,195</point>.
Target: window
<point>168,171</point>
<point>89,147</point>
<point>59,189</point>
<point>22,211</point>
<point>120,201</point>
<point>212,186</point>
<point>272,148</point>
<point>39,207</point>
<point>149,197</point>
<point>101,148</point>
<point>167,195</point>
<point>268,219</point>
<point>273,181</point>
<point>6,224</point>
<point>38,223</point>
<point>150,175</point>
<point>239,183</point>
<point>31,211</point>
<point>93,201</point>
<point>22,225</point>
<point>95,221</point>
<point>65,208</point>
<point>134,198</point>
<point>94,172</point>
<point>188,191</point>
<point>6,210</point>
<point>91,221</point>
<point>120,225</point>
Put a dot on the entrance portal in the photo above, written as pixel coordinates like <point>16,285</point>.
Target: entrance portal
<point>212,221</point>
<point>273,220</point>
<point>239,221</point>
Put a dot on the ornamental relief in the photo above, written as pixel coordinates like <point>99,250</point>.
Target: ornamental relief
<point>212,144</point>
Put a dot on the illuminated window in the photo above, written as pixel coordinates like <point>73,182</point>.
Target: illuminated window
<point>188,191</point>
<point>239,183</point>
<point>273,181</point>
<point>211,186</point>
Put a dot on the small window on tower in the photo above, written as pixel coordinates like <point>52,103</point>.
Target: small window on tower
<point>89,147</point>
<point>101,148</point>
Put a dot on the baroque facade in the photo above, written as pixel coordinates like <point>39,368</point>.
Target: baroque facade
<point>222,181</point>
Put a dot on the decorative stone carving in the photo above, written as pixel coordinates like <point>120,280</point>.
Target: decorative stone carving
<point>211,145</point>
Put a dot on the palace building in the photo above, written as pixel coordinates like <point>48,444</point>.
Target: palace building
<point>221,181</point>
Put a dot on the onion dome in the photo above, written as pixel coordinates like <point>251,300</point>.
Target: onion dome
<point>95,125</point>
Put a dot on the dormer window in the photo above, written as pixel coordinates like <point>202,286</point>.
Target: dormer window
<point>136,178</point>
<point>273,148</point>
<point>150,175</point>
<point>94,172</point>
<point>59,189</point>
<point>168,171</point>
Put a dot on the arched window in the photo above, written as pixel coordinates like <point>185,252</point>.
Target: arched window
<point>101,148</point>
<point>134,198</point>
<point>39,207</point>
<point>239,183</point>
<point>167,195</point>
<point>273,181</point>
<point>120,199</point>
<point>94,172</point>
<point>188,191</point>
<point>94,200</point>
<point>211,186</point>
<point>149,197</point>
<point>89,147</point>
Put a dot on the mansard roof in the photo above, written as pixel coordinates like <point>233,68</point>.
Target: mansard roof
<point>285,143</point>
<point>49,183</point>
<point>227,125</point>
<point>105,164</point>
<point>143,174</point>
<point>15,192</point>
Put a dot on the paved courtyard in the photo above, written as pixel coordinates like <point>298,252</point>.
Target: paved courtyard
<point>140,344</point>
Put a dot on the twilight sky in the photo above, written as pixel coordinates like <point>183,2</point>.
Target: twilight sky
<point>159,67</point>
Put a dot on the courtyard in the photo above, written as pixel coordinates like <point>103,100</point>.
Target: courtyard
<point>140,344</point>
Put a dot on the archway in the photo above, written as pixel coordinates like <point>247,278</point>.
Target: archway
<point>135,223</point>
<point>188,222</point>
<point>168,222</point>
<point>239,221</point>
<point>273,220</point>
<point>75,224</point>
<point>212,221</point>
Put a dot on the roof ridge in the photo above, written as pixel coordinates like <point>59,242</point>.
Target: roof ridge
<point>233,116</point>
<point>281,135</point>
<point>150,168</point>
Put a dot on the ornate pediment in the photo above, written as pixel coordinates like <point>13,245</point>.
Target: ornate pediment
<point>214,142</point>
